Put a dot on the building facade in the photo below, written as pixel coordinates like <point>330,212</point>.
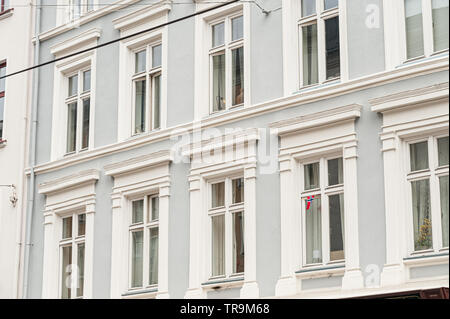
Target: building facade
<point>16,53</point>
<point>270,148</point>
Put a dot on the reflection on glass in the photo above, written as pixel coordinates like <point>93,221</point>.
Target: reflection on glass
<point>140,64</point>
<point>308,7</point>
<point>73,85</point>
<point>237,28</point>
<point>156,56</point>
<point>440,24</point>
<point>414,28</point>
<point>333,60</point>
<point>218,34</point>
<point>86,80</point>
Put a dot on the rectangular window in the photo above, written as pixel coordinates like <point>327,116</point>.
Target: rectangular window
<point>414,28</point>
<point>227,63</point>
<point>440,24</point>
<point>2,96</point>
<point>79,8</point>
<point>428,178</point>
<point>147,89</point>
<point>323,211</point>
<point>318,27</point>
<point>144,238</point>
<point>72,255</point>
<point>227,227</point>
<point>78,104</point>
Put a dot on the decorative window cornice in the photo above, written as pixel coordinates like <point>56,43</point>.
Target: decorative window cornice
<point>66,182</point>
<point>140,162</point>
<point>73,44</point>
<point>141,16</point>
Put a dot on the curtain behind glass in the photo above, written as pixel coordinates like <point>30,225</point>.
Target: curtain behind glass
<point>310,55</point>
<point>313,221</point>
<point>443,185</point>
<point>154,238</point>
<point>218,82</point>
<point>421,215</point>
<point>414,28</point>
<point>218,245</point>
<point>137,258</point>
<point>440,24</point>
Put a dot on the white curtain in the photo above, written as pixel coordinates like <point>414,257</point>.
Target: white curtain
<point>137,258</point>
<point>314,232</point>
<point>218,245</point>
<point>154,239</point>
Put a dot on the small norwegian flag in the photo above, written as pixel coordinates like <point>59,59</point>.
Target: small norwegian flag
<point>309,200</point>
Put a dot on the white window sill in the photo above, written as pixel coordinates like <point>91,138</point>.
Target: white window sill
<point>427,259</point>
<point>141,293</point>
<point>321,271</point>
<point>2,143</point>
<point>223,283</point>
<point>6,14</point>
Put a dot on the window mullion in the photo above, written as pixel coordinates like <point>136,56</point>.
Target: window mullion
<point>436,230</point>
<point>74,274</point>
<point>228,230</point>
<point>321,49</point>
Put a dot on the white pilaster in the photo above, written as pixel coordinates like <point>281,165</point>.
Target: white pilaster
<point>50,263</point>
<point>163,251</point>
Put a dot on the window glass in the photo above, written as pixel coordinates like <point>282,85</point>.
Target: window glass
<point>308,7</point>
<point>218,34</point>
<point>333,60</point>
<point>73,85</point>
<point>137,260</point>
<point>137,211</point>
<point>335,172</point>
<point>330,4</point>
<point>156,56</point>
<point>237,57</point>
<point>154,208</point>
<point>86,81</point>
<point>443,151</point>
<point>2,106</point>
<point>67,227</point>
<point>140,61</point>
<point>80,261</point>
<point>66,271</point>
<point>414,28</point>
<point>71,127</point>
<point>90,5</point>
<point>336,215</point>
<point>218,195</point>
<point>313,229</point>
<point>85,128</point>
<point>218,245</point>
<point>153,276</point>
<point>238,243</point>
<point>443,188</point>
<point>421,215</point>
<point>81,224</point>
<point>238,190</point>
<point>2,81</point>
<point>140,108</point>
<point>156,101</point>
<point>312,176</point>
<point>419,156</point>
<point>218,82</point>
<point>237,26</point>
<point>440,24</point>
<point>310,55</point>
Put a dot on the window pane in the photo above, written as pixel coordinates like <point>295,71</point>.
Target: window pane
<point>73,85</point>
<point>443,151</point>
<point>80,283</point>
<point>85,129</point>
<point>440,24</point>
<point>140,61</point>
<point>238,190</point>
<point>443,185</point>
<point>153,276</point>
<point>71,127</point>
<point>2,81</point>
<point>76,8</point>
<point>218,82</point>
<point>310,55</point>
<point>156,101</point>
<point>137,258</point>
<point>218,245</point>
<point>218,34</point>
<point>156,56</point>
<point>90,5</point>
<point>313,231</point>
<point>238,243</point>
<point>66,271</point>
<point>139,113</point>
<point>2,105</point>
<point>81,224</point>
<point>155,208</point>
<point>414,28</point>
<point>237,25</point>
<point>312,176</point>
<point>332,48</point>
<point>238,76</point>
<point>421,214</point>
<point>86,81</point>
<point>329,4</point>
<point>419,156</point>
<point>67,227</point>
<point>218,195</point>
<point>336,203</point>
<point>138,212</point>
<point>335,172</point>
<point>308,7</point>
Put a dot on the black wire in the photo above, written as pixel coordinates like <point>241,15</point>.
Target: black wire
<point>120,39</point>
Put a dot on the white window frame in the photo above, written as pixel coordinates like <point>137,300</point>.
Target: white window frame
<point>227,48</point>
<point>83,8</point>
<point>319,19</point>
<point>150,73</point>
<point>432,174</point>
<point>79,98</point>
<point>73,242</point>
<point>228,210</point>
<point>146,227</point>
<point>324,191</point>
